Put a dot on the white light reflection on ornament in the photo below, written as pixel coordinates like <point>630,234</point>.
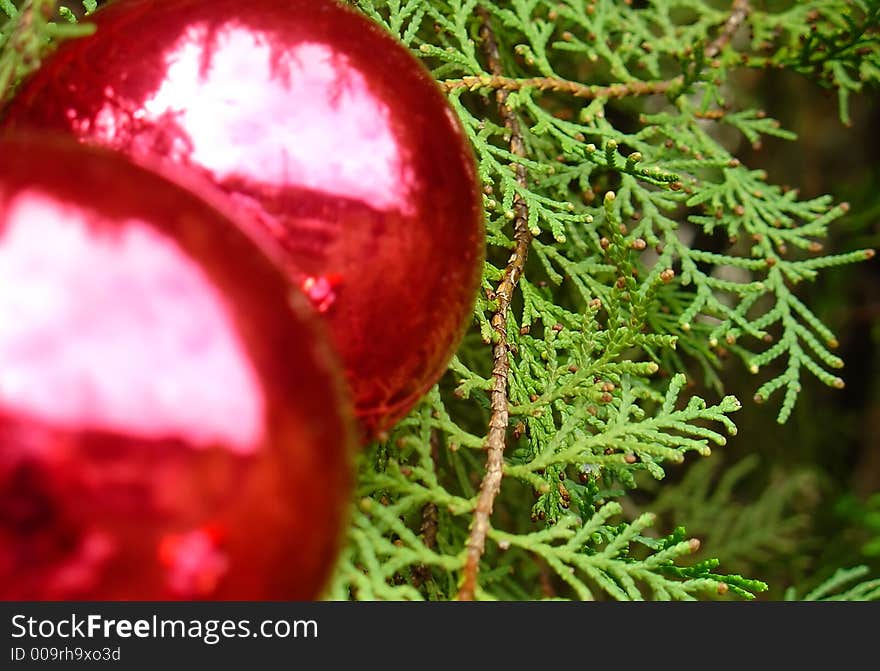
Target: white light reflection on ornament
<point>300,117</point>
<point>118,331</point>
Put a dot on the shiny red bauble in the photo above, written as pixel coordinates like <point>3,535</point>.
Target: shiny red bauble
<point>321,127</point>
<point>171,427</point>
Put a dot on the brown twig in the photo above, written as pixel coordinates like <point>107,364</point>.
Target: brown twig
<point>576,89</point>
<point>738,13</point>
<point>496,437</point>
<point>428,531</point>
<point>713,115</point>
<point>430,521</point>
<point>545,578</point>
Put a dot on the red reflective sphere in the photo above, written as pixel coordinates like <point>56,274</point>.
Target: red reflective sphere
<point>170,426</point>
<point>320,126</point>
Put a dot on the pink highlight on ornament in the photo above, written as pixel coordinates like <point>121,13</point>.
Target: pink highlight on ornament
<point>321,290</point>
<point>172,425</point>
<point>166,361</point>
<point>213,101</point>
<point>194,561</point>
<point>323,133</point>
<point>81,570</point>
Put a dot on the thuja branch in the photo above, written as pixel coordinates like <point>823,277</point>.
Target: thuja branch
<point>576,89</point>
<point>496,437</point>
<point>27,36</point>
<point>430,521</point>
<point>30,21</point>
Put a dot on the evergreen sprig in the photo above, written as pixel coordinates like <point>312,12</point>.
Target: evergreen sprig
<point>626,243</point>
<point>746,529</point>
<point>842,586</point>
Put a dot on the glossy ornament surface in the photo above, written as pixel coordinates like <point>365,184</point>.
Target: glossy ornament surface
<point>321,127</point>
<point>170,426</point>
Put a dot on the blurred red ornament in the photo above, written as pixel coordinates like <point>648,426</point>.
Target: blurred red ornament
<point>170,426</point>
<point>320,126</point>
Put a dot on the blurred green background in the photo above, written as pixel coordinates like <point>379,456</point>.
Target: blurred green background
<point>792,503</point>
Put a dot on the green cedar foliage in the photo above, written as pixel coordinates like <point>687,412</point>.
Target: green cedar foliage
<point>654,254</point>
<point>844,585</point>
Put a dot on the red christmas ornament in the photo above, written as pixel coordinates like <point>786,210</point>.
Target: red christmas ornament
<point>320,126</point>
<point>170,427</point>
